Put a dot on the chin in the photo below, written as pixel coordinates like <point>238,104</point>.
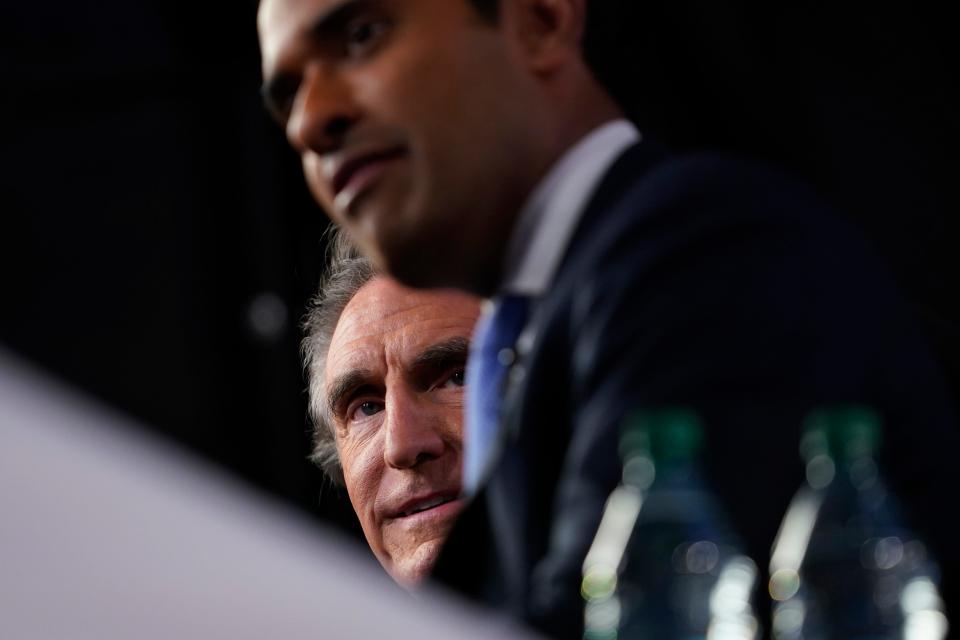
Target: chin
<point>411,571</point>
<point>428,266</point>
<point>420,257</point>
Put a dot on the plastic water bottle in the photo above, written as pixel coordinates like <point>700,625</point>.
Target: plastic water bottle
<point>844,566</point>
<point>665,562</point>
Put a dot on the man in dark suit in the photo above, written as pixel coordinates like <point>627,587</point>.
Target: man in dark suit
<point>467,143</point>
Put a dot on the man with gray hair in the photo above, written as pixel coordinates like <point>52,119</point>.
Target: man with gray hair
<point>385,366</point>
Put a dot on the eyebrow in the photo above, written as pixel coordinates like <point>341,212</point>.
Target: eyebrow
<point>443,353</point>
<point>332,20</point>
<point>327,24</point>
<point>344,384</point>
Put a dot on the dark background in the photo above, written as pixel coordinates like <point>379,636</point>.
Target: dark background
<point>159,244</point>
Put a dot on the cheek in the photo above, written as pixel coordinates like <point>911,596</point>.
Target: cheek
<point>362,474</point>
<point>453,425</point>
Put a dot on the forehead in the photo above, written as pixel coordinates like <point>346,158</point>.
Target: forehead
<point>286,24</point>
<point>286,27</point>
<point>280,22</point>
<point>387,322</point>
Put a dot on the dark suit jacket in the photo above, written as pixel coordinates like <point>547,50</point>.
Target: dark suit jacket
<point>716,283</point>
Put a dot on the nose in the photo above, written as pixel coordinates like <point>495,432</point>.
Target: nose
<point>323,111</point>
<point>414,433</point>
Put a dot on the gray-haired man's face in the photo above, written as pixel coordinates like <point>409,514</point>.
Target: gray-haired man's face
<point>394,385</point>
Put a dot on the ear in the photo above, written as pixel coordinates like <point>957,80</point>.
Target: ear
<point>549,32</point>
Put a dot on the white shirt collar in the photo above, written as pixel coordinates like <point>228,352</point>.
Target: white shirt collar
<point>553,209</point>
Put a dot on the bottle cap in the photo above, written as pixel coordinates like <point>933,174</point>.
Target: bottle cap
<point>841,432</point>
<point>666,434</point>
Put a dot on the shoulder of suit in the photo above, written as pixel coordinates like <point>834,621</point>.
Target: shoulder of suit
<point>682,200</point>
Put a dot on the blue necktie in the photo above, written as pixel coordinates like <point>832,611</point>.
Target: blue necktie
<point>491,355</point>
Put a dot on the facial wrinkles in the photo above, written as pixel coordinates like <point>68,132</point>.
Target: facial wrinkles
<point>384,319</point>
<point>382,331</point>
<point>377,487</point>
<point>386,356</point>
<point>413,544</point>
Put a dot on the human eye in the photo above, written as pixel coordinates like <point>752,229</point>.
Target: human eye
<point>456,379</point>
<point>363,34</point>
<point>361,410</point>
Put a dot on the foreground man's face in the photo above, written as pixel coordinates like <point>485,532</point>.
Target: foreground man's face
<point>394,384</point>
<point>407,118</point>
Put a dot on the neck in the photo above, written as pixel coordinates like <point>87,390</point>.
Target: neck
<point>583,105</point>
<point>571,107</point>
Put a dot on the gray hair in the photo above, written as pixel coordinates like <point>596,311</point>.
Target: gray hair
<point>347,271</point>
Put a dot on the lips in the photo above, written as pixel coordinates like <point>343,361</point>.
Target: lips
<point>353,173</point>
<point>423,504</point>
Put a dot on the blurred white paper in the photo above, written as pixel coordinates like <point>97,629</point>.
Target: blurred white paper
<point>107,532</point>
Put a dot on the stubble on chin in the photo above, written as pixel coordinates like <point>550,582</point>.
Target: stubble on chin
<point>414,566</point>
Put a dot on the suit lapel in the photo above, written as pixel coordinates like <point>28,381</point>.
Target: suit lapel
<point>625,172</point>
<point>489,552</point>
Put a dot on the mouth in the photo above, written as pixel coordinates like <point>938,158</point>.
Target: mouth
<point>433,503</point>
<point>355,174</point>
